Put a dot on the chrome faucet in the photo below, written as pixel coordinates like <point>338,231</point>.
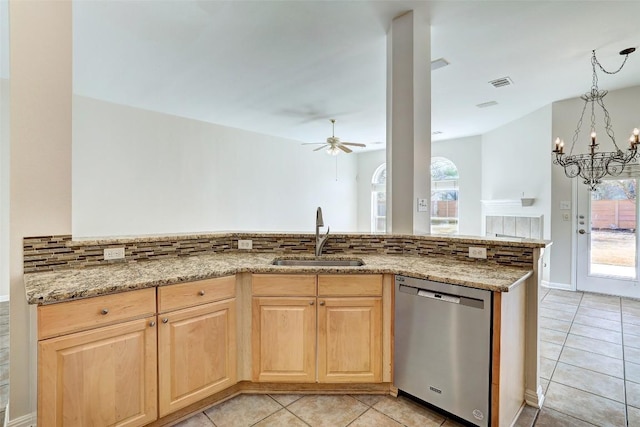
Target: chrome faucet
<point>320,241</point>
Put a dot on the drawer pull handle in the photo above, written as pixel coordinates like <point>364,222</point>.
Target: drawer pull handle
<point>152,323</point>
<point>105,311</point>
<point>165,320</point>
<point>201,293</point>
<point>321,302</point>
<point>311,303</point>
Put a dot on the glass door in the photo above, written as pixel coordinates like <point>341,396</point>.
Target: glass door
<point>607,239</point>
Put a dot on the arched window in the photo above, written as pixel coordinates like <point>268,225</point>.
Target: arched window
<point>379,199</point>
<point>444,196</point>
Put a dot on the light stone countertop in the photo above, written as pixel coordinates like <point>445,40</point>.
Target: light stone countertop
<point>66,285</point>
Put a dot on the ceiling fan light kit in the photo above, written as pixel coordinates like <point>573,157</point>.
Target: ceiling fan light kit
<point>333,145</point>
<point>593,165</point>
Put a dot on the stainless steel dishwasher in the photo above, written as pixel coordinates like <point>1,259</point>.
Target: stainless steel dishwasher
<point>443,346</point>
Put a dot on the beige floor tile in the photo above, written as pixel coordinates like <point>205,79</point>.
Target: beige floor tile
<point>550,350</point>
<point>632,340</point>
<point>630,328</point>
<point>594,346</point>
<point>551,418</point>
<point>4,355</point>
<point>601,306</point>
<point>198,420</point>
<point>243,411</point>
<point>633,394</point>
<point>631,306</point>
<point>594,362</point>
<point>600,314</point>
<point>527,417</point>
<point>286,399</point>
<point>368,399</point>
<point>553,336</point>
<point>632,371</point>
<point>556,314</point>
<point>585,406</point>
<point>546,367</point>
<point>327,410</point>
<point>4,340</point>
<point>632,354</point>
<point>282,418</point>
<point>634,416</point>
<point>451,423</point>
<point>408,413</point>
<point>569,308</point>
<point>630,318</point>
<point>597,333</point>
<point>555,324</point>
<point>593,382</point>
<point>374,418</point>
<point>614,325</point>
<point>544,383</point>
<point>607,299</point>
<point>563,297</point>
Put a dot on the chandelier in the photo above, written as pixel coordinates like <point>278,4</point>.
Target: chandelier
<point>595,165</point>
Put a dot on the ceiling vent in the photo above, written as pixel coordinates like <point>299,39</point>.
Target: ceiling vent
<point>502,82</point>
<point>439,63</point>
<point>487,104</point>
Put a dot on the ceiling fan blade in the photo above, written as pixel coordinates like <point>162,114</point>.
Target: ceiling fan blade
<point>313,143</point>
<point>343,148</point>
<point>321,148</point>
<point>354,144</point>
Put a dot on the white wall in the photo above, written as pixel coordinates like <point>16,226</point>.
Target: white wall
<point>368,162</point>
<point>4,150</point>
<point>516,159</point>
<point>623,109</point>
<point>141,172</point>
<point>465,154</point>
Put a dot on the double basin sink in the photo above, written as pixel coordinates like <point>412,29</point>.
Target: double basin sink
<point>317,262</point>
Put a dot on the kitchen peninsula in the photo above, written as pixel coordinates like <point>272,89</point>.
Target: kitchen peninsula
<point>153,310</point>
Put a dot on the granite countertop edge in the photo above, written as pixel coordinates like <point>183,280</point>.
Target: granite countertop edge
<point>73,284</point>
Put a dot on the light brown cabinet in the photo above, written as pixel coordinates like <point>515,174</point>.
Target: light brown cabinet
<point>196,345</point>
<point>102,376</point>
<point>341,313</point>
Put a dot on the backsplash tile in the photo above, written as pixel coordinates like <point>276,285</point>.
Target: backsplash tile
<point>47,253</point>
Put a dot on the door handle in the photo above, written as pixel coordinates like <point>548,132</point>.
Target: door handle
<point>581,231</point>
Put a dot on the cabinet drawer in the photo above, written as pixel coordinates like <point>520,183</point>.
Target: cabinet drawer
<point>63,318</point>
<point>355,285</point>
<point>284,285</point>
<point>195,293</point>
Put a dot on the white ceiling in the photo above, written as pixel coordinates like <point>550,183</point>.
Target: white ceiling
<point>286,67</point>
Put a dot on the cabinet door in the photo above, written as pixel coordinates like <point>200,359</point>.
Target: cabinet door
<point>196,353</point>
<point>102,377</point>
<point>349,340</point>
<point>284,339</point>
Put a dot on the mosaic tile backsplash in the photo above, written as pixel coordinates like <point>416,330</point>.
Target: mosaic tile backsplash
<point>47,253</point>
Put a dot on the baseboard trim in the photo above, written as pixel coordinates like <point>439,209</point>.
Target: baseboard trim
<point>28,420</point>
<point>556,285</point>
<point>534,398</point>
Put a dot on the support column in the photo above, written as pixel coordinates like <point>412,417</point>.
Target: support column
<point>409,124</point>
<point>40,175</point>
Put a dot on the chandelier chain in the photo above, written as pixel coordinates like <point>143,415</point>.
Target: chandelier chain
<point>594,61</point>
<point>577,132</point>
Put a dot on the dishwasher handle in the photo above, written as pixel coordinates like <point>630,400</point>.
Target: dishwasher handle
<point>439,296</point>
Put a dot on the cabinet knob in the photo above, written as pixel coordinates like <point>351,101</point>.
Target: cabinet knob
<point>152,323</point>
<point>165,320</point>
<point>201,293</point>
<point>311,302</point>
<point>321,302</point>
<point>105,311</point>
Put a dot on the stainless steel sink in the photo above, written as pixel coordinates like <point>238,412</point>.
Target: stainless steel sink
<point>306,262</point>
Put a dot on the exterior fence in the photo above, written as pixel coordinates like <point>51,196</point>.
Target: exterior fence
<point>613,214</point>
<point>444,208</point>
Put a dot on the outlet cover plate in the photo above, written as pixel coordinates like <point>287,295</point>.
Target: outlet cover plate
<point>113,253</point>
<point>475,252</point>
<point>245,244</point>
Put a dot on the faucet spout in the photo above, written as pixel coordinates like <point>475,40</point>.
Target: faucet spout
<point>320,241</point>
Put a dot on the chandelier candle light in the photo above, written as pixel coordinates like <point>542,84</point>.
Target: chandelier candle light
<point>595,165</point>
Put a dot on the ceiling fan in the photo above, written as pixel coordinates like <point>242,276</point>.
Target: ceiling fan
<point>333,144</point>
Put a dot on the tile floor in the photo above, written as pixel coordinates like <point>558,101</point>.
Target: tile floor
<point>590,373</point>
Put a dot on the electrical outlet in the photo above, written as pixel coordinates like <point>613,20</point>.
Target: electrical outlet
<point>475,252</point>
<point>245,244</point>
<point>113,253</point>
